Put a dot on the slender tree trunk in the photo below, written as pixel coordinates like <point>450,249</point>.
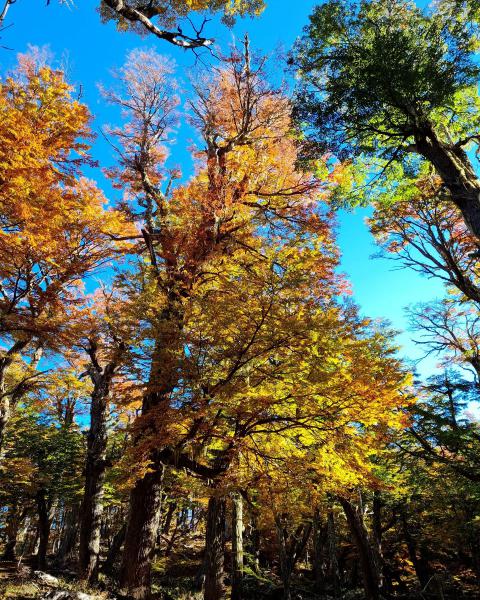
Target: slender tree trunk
<point>254,542</point>
<point>215,550</point>
<point>377,534</point>
<point>4,416</point>
<point>333,567</point>
<point>291,549</point>
<point>237,547</point>
<point>319,558</point>
<point>43,529</point>
<point>172,507</point>
<point>11,530</point>
<point>92,505</point>
<point>420,564</point>
<point>368,562</point>
<point>141,535</point>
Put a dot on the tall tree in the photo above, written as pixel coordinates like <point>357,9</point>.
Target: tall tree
<point>106,347</point>
<point>246,180</point>
<point>55,230</point>
<point>393,87</point>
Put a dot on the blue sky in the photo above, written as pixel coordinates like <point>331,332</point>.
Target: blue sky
<point>91,49</point>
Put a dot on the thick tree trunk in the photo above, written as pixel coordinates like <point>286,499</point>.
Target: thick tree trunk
<point>92,505</point>
<point>69,537</point>
<point>43,529</point>
<point>145,498</point>
<point>215,550</point>
<point>141,535</point>
<point>237,547</point>
<point>456,171</point>
<point>368,561</point>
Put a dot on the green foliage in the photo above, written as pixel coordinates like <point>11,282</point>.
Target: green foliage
<point>371,75</point>
<point>42,454</point>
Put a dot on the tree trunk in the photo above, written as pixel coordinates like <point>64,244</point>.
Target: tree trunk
<point>319,558</point>
<point>237,546</point>
<point>43,529</point>
<point>113,551</point>
<point>253,541</point>
<point>4,417</point>
<point>368,562</point>
<point>456,171</point>
<point>377,534</point>
<point>419,563</point>
<point>145,499</point>
<point>69,537</point>
<point>333,568</point>
<point>92,505</point>
<point>141,535</point>
<point>11,530</point>
<point>215,550</point>
<point>291,549</point>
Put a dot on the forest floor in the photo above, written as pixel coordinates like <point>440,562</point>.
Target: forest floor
<point>176,581</point>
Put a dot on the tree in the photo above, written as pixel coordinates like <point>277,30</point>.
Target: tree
<point>426,233</point>
<point>450,330</point>
<point>106,348</point>
<point>55,230</point>
<point>441,430</point>
<point>44,453</point>
<point>246,179</point>
<point>393,88</point>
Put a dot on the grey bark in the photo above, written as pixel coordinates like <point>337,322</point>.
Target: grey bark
<point>237,547</point>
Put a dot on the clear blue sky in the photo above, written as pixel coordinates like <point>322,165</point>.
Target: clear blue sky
<point>91,49</point>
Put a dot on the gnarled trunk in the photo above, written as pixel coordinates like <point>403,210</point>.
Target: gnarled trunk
<point>141,535</point>
<point>456,171</point>
<point>215,550</point>
<point>146,498</point>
